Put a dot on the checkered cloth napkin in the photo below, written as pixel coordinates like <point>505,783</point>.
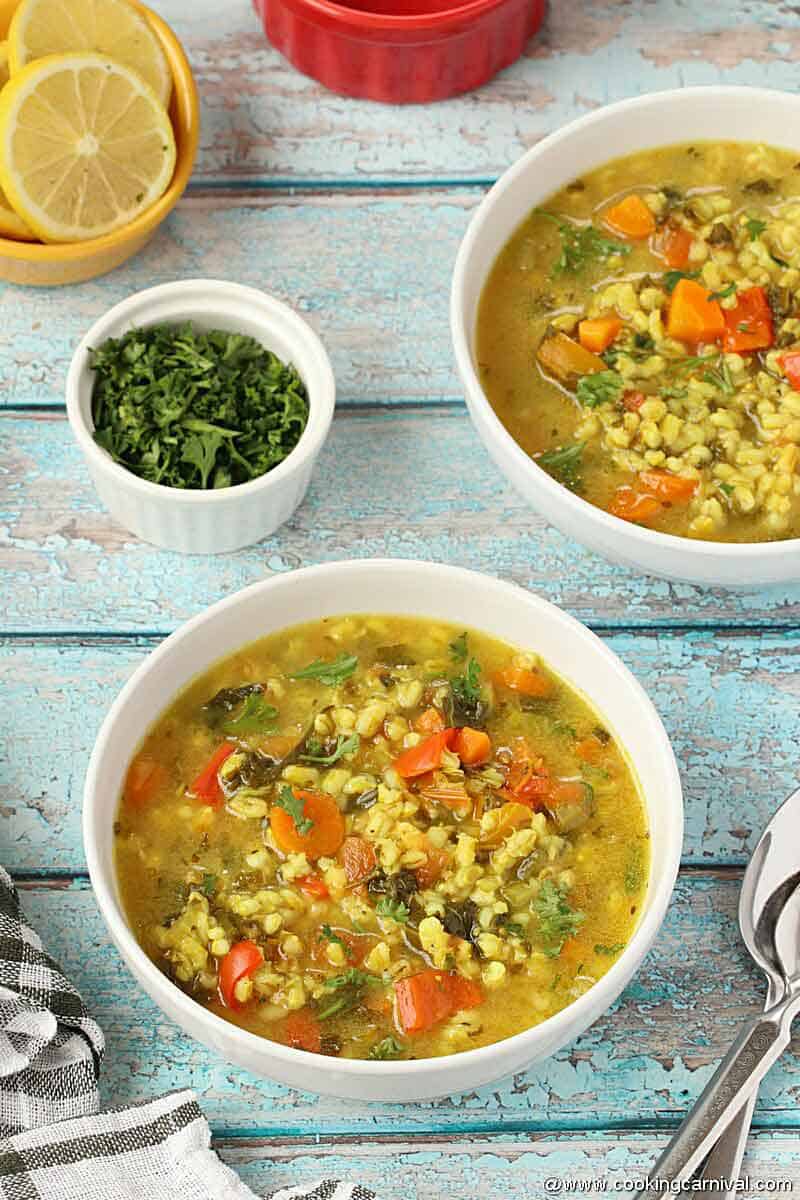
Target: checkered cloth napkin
<point>54,1144</point>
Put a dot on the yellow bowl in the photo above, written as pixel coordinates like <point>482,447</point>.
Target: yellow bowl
<point>48,265</point>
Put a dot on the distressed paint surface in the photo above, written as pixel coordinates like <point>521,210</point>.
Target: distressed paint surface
<point>262,121</point>
<point>389,256</point>
<point>729,705</point>
<point>645,1059</point>
<point>505,1167</point>
<point>437,495</point>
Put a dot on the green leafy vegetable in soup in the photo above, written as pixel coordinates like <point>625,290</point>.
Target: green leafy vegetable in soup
<point>639,337</point>
<point>192,409</point>
<point>381,837</point>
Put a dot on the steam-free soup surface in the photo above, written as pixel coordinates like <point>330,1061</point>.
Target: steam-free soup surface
<point>382,837</point>
<point>639,337</point>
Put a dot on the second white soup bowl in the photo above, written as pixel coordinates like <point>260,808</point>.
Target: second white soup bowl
<point>415,589</point>
<point>660,119</point>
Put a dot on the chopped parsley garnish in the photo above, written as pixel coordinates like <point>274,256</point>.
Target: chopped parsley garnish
<point>468,702</point>
<point>581,245</point>
<point>329,673</point>
<point>755,228</point>
<point>349,988</point>
<point>604,387</point>
<point>295,807</point>
<point>565,464</point>
<point>316,749</point>
<point>193,409</point>
<point>723,293</point>
<point>327,935</point>
<point>615,949</point>
<point>388,1048</point>
<point>720,377</point>
<point>557,921</point>
<point>386,907</point>
<point>727,488</point>
<point>633,871</point>
<point>459,649</point>
<point>256,716</point>
<point>670,279</point>
<point>209,884</point>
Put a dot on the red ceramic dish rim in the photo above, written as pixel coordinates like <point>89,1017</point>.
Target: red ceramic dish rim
<point>336,14</point>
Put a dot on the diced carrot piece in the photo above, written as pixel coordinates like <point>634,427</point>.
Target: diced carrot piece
<point>569,791</point>
<point>242,960</point>
<point>566,359</point>
<point>326,833</point>
<point>631,217</point>
<point>674,246</point>
<point>598,333</point>
<point>589,749</point>
<point>302,1031</point>
<point>312,885</point>
<point>511,816</point>
<point>630,505</point>
<point>693,317</point>
<point>472,746</point>
<point>425,999</point>
<point>145,776</point>
<point>748,326</point>
<point>358,859</point>
<point>670,489</point>
<point>524,681</point>
<point>633,401</point>
<point>791,368</point>
<point>424,757</point>
<point>206,786</point>
<point>431,721</point>
<point>432,868</point>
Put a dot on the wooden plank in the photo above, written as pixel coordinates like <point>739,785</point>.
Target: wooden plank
<point>370,272</point>
<point>403,484</point>
<point>493,1168</point>
<point>728,703</point>
<point>264,121</point>
<point>643,1061</point>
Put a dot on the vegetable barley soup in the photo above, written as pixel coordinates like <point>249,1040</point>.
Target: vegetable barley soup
<point>639,337</point>
<point>382,837</point>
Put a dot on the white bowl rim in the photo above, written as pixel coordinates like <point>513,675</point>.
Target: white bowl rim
<point>199,1017</point>
<point>321,400</point>
<point>692,547</point>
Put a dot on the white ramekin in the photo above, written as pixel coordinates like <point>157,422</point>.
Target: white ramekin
<point>418,589</point>
<point>660,119</point>
<point>207,521</point>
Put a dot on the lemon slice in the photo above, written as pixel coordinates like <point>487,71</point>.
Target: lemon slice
<point>12,226</point>
<point>4,72</point>
<point>85,146</point>
<point>112,27</point>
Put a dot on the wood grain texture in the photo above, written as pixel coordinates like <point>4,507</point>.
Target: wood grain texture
<point>371,273</point>
<point>262,121</point>
<point>497,1168</point>
<point>729,704</point>
<point>643,1061</point>
<point>406,485</point>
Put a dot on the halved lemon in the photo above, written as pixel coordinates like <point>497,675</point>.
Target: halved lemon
<point>112,27</point>
<point>12,226</point>
<point>4,71</point>
<point>85,146</point>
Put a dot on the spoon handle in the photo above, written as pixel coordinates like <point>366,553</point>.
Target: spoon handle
<point>725,1159</point>
<point>758,1046</point>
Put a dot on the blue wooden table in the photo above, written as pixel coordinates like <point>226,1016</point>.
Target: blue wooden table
<point>353,212</point>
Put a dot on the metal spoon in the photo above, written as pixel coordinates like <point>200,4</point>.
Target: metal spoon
<point>725,1160</point>
<point>775,935</point>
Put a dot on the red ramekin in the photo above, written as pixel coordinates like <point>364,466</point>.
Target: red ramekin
<point>401,51</point>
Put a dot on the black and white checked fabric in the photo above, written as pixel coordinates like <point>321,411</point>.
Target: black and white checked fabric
<point>54,1144</point>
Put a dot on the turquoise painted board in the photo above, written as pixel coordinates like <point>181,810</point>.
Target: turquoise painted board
<point>436,495</point>
<point>262,122</point>
<point>728,702</point>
